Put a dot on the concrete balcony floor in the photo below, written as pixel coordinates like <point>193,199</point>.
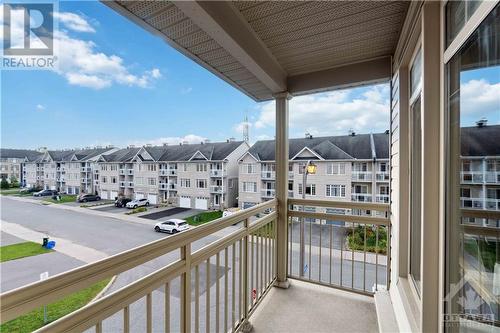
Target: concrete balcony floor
<point>306,307</point>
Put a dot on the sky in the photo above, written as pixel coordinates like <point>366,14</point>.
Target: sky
<point>118,84</point>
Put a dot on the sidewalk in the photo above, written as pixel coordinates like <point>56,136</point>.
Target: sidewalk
<point>64,246</point>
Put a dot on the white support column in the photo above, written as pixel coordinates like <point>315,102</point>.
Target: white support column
<point>282,187</point>
<point>431,143</point>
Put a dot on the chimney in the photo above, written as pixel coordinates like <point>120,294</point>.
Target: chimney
<point>481,122</point>
<point>309,136</point>
<point>131,146</point>
<point>351,132</point>
<point>165,144</point>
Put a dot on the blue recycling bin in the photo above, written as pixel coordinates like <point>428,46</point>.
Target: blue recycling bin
<point>51,245</point>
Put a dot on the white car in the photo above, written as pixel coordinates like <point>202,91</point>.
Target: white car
<point>137,203</point>
<point>172,226</point>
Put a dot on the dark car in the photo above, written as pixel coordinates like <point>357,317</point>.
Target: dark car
<point>45,193</point>
<point>88,197</point>
<point>121,202</point>
<point>30,189</point>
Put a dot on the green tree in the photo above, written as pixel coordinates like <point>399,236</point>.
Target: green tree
<point>4,183</point>
<point>13,181</point>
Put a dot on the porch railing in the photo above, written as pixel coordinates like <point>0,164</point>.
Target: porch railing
<point>338,244</point>
<point>229,275</point>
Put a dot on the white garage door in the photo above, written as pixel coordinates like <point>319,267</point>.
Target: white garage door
<point>185,202</point>
<point>104,194</point>
<point>153,199</point>
<point>201,203</point>
<point>113,195</point>
<point>139,195</point>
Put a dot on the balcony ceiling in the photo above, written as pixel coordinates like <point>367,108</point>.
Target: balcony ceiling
<point>263,48</point>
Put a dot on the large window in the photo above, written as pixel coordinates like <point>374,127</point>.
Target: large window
<point>472,212</point>
<point>416,170</point>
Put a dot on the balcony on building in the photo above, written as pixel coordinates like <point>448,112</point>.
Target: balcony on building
<point>268,175</point>
<point>215,173</point>
<point>215,189</point>
<point>362,176</point>
<point>123,184</point>
<point>167,186</point>
<point>130,184</point>
<point>122,171</point>
<point>268,193</point>
<point>382,176</point>
<point>361,197</point>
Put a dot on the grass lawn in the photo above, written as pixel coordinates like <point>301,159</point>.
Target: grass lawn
<point>9,191</point>
<point>64,198</point>
<point>204,217</point>
<point>34,319</point>
<point>21,250</point>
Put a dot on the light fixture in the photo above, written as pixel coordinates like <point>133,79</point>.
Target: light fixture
<point>311,168</point>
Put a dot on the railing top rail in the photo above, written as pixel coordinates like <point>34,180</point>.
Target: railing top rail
<point>480,213</point>
<point>38,293</point>
<point>346,218</point>
<point>339,204</point>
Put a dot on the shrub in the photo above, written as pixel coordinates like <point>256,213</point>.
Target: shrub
<point>137,210</point>
<point>4,184</point>
<point>356,239</point>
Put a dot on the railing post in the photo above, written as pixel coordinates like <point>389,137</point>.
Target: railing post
<point>282,157</point>
<point>245,324</point>
<point>186,290</point>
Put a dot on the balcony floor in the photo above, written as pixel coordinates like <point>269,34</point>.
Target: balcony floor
<point>306,307</point>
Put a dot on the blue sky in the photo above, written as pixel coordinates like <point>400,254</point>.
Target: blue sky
<point>118,84</point>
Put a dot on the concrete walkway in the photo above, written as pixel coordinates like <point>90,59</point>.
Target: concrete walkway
<point>67,247</point>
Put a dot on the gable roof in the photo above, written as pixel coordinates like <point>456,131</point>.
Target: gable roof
<point>357,146</point>
<point>28,154</point>
<point>480,141</point>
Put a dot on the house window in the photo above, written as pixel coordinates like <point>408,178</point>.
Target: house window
<point>185,182</point>
<point>151,167</point>
<point>415,117</point>
<point>201,167</point>
<point>113,180</point>
<point>248,168</point>
<point>185,167</point>
<point>201,183</point>
<point>383,167</point>
<point>230,183</point>
<point>139,180</point>
<point>471,251</point>
<point>250,187</point>
<point>151,181</point>
<point>335,169</point>
<point>310,189</point>
<point>335,191</point>
<point>104,179</point>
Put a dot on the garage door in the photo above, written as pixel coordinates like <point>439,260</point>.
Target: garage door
<point>139,195</point>
<point>201,203</point>
<point>113,195</point>
<point>153,199</point>
<point>185,202</point>
<point>104,194</point>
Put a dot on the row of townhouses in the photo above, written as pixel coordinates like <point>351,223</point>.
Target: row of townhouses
<point>228,174</point>
<point>347,168</point>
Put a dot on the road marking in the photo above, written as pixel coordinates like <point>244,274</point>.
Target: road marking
<point>67,247</point>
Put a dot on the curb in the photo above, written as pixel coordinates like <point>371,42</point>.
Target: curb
<point>106,288</point>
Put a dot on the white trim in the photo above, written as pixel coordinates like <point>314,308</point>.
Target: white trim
<point>198,152</point>
<point>470,26</point>
<point>311,151</point>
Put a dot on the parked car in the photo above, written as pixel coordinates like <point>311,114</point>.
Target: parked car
<point>45,193</point>
<point>30,190</point>
<point>87,198</point>
<point>122,202</point>
<point>137,203</point>
<point>172,226</point>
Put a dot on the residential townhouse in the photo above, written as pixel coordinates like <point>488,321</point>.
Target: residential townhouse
<point>202,176</point>
<point>68,171</point>
<point>480,170</point>
<point>354,167</point>
<point>12,163</point>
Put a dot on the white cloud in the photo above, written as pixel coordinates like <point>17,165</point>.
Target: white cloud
<point>82,65</point>
<point>479,98</point>
<point>333,113</point>
<point>173,140</point>
<point>185,91</point>
<point>40,107</point>
<point>73,21</point>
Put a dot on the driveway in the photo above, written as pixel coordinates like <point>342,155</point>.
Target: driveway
<point>165,213</point>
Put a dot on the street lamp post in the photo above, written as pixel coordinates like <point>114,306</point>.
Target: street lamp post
<point>309,168</point>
